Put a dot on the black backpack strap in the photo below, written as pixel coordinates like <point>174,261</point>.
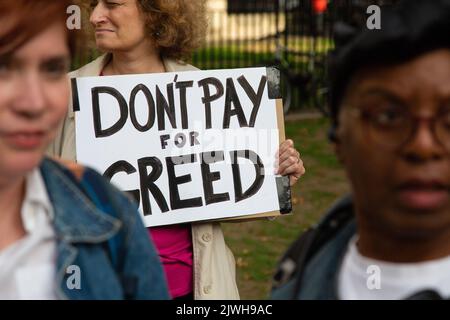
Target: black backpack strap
<point>292,261</point>
<point>428,294</point>
<point>295,260</point>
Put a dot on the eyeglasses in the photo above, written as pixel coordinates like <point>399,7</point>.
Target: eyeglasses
<point>392,125</point>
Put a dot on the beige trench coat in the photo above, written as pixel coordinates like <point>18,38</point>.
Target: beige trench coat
<point>214,265</point>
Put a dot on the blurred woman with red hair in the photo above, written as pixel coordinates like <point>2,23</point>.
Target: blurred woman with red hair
<point>65,232</point>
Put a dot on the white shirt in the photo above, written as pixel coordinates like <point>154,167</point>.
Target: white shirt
<point>369,279</point>
<point>28,266</point>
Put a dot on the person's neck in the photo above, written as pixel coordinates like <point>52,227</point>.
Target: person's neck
<point>11,225</point>
<point>393,248</point>
<point>139,60</point>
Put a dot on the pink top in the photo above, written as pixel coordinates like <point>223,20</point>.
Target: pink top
<point>174,245</point>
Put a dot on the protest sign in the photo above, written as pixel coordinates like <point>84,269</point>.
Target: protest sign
<point>189,146</point>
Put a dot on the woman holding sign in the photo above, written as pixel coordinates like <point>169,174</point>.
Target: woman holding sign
<point>143,36</point>
<point>65,232</point>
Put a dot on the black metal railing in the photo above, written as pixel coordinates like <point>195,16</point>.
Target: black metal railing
<point>266,32</point>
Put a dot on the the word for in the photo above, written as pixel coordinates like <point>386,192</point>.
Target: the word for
<point>180,139</point>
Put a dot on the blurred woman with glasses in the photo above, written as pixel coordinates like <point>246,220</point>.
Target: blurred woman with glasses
<point>389,239</point>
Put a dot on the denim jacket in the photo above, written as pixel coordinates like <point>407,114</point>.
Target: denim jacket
<point>100,238</point>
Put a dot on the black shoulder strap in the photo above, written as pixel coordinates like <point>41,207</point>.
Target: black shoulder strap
<point>294,261</point>
<point>427,294</point>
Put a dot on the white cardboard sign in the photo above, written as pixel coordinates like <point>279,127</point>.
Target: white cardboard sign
<point>189,146</point>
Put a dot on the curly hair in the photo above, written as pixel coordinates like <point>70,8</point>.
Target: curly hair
<point>176,27</point>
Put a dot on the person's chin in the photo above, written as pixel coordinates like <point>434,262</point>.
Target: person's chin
<point>20,164</point>
<point>419,215</point>
<point>104,45</point>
